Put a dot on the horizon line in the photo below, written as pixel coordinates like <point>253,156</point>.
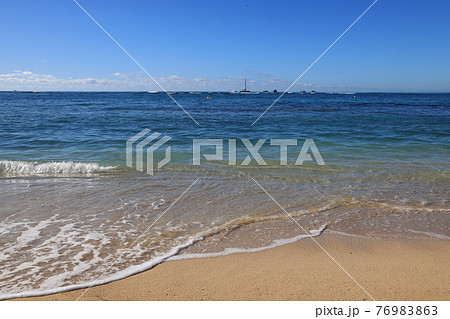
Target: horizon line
<point>238,93</point>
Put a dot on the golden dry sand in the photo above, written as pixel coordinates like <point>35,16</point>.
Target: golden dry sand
<point>388,269</point>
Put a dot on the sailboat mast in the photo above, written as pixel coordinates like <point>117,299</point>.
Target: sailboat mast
<point>246,84</point>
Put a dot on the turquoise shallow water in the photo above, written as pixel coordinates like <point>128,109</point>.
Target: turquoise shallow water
<point>69,206</point>
<point>92,127</point>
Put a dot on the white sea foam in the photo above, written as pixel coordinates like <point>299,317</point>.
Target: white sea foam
<point>431,234</point>
<point>22,168</point>
<point>135,269</point>
<point>275,243</point>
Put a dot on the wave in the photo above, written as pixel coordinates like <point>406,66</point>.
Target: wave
<point>22,168</point>
<point>101,281</point>
<point>172,255</point>
<point>275,243</point>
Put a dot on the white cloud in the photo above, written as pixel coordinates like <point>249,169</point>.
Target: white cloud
<point>137,81</point>
<point>121,75</point>
<point>27,80</point>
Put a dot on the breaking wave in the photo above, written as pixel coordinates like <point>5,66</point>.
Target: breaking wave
<point>22,168</point>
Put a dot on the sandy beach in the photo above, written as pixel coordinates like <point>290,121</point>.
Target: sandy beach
<point>388,269</point>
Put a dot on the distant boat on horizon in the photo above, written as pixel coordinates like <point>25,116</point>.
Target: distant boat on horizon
<point>245,88</point>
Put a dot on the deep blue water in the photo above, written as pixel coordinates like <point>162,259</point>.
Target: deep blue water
<point>93,127</point>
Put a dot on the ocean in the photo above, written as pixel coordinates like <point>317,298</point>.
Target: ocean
<point>73,214</point>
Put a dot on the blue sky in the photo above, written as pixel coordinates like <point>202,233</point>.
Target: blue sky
<point>212,45</point>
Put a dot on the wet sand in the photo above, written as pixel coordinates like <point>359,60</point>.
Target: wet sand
<point>388,269</point>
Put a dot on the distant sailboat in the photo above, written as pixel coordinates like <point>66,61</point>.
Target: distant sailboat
<point>245,88</point>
